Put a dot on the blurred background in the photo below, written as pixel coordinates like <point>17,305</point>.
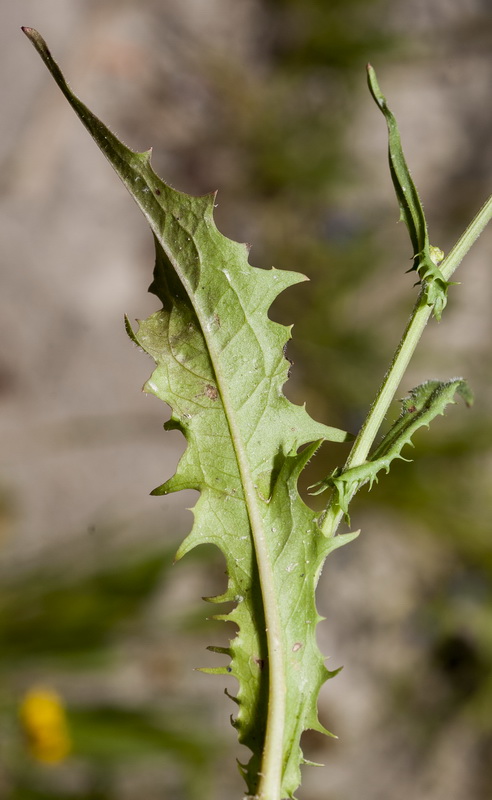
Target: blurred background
<point>265,100</point>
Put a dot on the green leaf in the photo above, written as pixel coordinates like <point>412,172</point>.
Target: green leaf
<point>426,256</point>
<point>422,405</point>
<point>221,368</point>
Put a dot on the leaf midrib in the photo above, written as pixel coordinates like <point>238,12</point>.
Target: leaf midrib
<point>272,756</point>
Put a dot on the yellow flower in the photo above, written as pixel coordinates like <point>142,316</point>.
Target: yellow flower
<point>44,722</point>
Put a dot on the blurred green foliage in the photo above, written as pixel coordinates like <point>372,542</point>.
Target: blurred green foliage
<point>50,613</point>
<point>63,625</point>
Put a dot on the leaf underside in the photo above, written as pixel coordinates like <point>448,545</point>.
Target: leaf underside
<point>220,367</point>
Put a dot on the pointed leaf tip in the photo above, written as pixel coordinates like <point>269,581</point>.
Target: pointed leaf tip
<point>130,332</point>
<point>37,40</point>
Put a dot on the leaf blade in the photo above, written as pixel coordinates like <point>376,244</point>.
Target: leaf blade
<point>220,366</point>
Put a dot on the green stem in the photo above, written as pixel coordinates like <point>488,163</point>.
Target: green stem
<point>401,359</point>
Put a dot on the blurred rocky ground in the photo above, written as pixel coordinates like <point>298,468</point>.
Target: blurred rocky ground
<point>266,101</point>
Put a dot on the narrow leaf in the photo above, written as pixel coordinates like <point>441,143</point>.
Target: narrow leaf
<point>220,367</point>
<point>426,257</point>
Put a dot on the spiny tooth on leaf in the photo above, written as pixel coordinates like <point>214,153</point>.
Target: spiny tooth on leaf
<point>215,649</point>
<point>214,670</point>
<point>342,538</point>
<point>130,332</point>
<point>222,618</point>
<point>317,726</point>
<point>227,597</point>
<point>231,696</point>
<point>331,673</point>
<point>311,763</point>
